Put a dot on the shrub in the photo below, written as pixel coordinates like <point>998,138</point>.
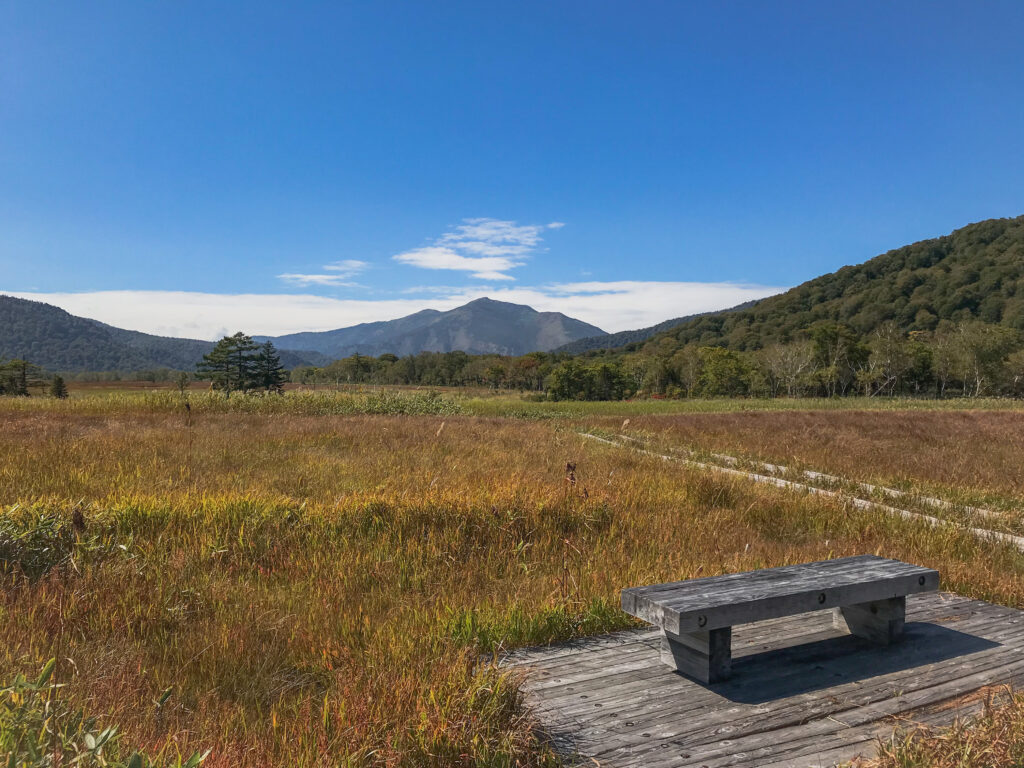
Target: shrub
<point>33,543</point>
<point>38,729</point>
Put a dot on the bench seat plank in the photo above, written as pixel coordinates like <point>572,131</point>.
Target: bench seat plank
<point>739,598</point>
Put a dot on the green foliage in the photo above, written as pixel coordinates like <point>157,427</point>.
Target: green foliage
<point>39,729</point>
<point>59,341</point>
<point>20,377</point>
<point>513,627</point>
<point>237,363</point>
<point>32,542</point>
<point>975,273</point>
<point>624,338</point>
<point>574,380</point>
<point>58,388</point>
<point>268,373</point>
<point>435,369</point>
<point>723,373</point>
<point>231,364</point>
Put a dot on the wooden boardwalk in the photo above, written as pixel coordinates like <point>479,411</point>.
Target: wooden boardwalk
<point>802,692</point>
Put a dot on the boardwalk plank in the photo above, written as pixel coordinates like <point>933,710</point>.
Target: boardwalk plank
<point>804,692</point>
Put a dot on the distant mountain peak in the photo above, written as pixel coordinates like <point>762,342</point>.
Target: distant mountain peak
<point>481,326</point>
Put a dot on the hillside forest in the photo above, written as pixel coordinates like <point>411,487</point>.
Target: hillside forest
<point>969,359</point>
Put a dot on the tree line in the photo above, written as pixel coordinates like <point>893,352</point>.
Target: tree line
<point>969,359</point>
<point>235,364</point>
<point>20,378</point>
<point>829,359</point>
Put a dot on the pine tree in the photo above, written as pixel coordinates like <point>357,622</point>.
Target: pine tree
<point>58,388</point>
<point>269,373</point>
<point>231,364</point>
<point>17,377</point>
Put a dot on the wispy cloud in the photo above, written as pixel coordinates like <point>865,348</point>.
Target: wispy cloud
<point>338,273</point>
<point>443,257</point>
<point>486,248</point>
<point>613,306</point>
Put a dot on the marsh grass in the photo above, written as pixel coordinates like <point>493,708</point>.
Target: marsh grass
<point>525,407</point>
<point>987,511</point>
<point>323,590</point>
<point>993,738</point>
<point>972,457</point>
<point>305,403</point>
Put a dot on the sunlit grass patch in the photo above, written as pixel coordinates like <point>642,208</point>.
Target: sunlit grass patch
<point>496,629</point>
<point>992,739</point>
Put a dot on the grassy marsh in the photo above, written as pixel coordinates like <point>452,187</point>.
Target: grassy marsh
<point>323,589</point>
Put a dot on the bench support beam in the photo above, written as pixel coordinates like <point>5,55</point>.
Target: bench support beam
<point>705,656</point>
<point>880,621</point>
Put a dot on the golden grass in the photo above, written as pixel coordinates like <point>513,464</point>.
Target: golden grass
<point>993,738</point>
<point>328,590</point>
<point>974,453</point>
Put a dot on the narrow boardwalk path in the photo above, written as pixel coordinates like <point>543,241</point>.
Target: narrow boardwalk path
<point>982,533</point>
<point>802,692</point>
<point>892,493</point>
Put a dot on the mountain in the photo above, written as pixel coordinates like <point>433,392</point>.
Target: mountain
<point>483,326</point>
<point>58,341</point>
<point>622,338</point>
<point>976,272</point>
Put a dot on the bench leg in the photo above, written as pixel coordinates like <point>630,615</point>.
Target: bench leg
<point>880,621</point>
<point>704,656</point>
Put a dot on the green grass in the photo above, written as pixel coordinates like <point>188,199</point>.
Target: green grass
<point>513,406</point>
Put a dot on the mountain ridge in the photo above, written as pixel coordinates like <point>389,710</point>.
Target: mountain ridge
<point>481,326</point>
<point>59,341</point>
<point>975,272</point>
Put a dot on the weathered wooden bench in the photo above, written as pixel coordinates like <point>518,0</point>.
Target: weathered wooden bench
<point>867,594</point>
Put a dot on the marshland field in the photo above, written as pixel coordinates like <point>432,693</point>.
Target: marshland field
<point>327,578</point>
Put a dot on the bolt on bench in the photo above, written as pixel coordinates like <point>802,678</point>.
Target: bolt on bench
<point>867,594</point>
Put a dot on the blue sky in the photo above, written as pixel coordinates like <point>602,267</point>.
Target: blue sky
<point>179,167</point>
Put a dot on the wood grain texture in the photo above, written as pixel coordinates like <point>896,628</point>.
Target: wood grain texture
<point>704,656</point>
<point>803,693</point>
<point>739,598</point>
<point>880,621</point>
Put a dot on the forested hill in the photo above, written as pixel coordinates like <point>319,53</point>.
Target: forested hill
<point>622,338</point>
<point>58,341</point>
<point>976,272</point>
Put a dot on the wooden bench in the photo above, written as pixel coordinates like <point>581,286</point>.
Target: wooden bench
<point>867,594</point>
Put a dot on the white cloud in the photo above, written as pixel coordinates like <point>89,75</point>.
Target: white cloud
<point>303,281</point>
<point>335,274</point>
<point>486,248</point>
<point>442,257</point>
<point>347,267</point>
<point>613,306</point>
